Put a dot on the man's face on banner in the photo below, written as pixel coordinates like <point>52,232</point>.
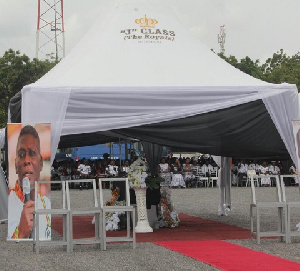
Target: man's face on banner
<point>29,162</point>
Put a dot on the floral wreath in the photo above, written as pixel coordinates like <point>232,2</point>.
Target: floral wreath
<point>168,217</point>
<point>113,219</point>
<point>115,195</point>
<point>137,173</point>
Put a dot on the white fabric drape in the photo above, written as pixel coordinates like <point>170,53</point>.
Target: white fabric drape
<point>283,108</point>
<point>87,110</point>
<point>40,105</point>
<point>106,108</point>
<point>217,159</point>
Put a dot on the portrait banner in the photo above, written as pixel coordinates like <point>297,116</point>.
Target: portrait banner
<point>29,156</point>
<point>296,131</point>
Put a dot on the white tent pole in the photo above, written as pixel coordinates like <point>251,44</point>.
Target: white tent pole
<point>221,210</point>
<point>225,185</point>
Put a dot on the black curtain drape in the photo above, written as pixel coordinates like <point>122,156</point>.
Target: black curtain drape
<point>153,154</point>
<point>15,108</point>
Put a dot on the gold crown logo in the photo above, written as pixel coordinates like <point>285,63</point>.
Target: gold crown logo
<point>146,22</point>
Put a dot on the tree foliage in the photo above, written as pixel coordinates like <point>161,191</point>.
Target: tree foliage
<point>280,68</point>
<point>17,71</point>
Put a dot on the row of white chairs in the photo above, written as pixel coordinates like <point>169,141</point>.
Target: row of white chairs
<point>207,180</point>
<point>99,212</point>
<point>283,207</point>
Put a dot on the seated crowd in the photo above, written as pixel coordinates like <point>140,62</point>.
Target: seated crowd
<point>87,169</point>
<point>263,169</point>
<point>176,172</point>
<point>186,173</point>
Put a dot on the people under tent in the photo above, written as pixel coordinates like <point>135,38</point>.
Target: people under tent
<point>178,172</point>
<point>265,171</point>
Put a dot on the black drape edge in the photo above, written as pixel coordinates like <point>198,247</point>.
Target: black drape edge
<point>244,131</point>
<point>15,104</point>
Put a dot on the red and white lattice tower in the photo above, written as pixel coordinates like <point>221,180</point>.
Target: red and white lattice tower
<point>221,38</point>
<point>50,35</point>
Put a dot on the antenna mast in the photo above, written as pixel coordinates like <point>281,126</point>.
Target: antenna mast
<point>221,39</point>
<point>50,34</point>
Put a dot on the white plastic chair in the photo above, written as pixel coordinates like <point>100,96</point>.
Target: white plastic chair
<point>201,178</point>
<point>127,208</point>
<point>252,173</point>
<point>290,205</point>
<point>37,243</point>
<point>214,175</point>
<point>94,210</point>
<point>279,204</point>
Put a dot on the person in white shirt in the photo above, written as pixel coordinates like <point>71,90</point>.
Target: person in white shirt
<point>294,171</point>
<point>251,166</point>
<point>264,173</point>
<point>112,170</point>
<point>257,168</point>
<point>126,166</point>
<point>273,170</point>
<point>84,170</point>
<point>242,172</point>
<point>164,170</point>
<point>177,178</point>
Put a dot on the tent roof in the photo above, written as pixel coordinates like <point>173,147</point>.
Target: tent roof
<point>119,50</point>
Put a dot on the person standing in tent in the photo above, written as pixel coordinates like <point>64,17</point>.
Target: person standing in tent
<point>264,173</point>
<point>242,172</point>
<point>187,172</point>
<point>294,171</point>
<point>274,170</point>
<point>177,178</point>
<point>28,164</point>
<point>164,170</point>
<point>84,170</point>
<point>125,166</point>
<point>112,169</point>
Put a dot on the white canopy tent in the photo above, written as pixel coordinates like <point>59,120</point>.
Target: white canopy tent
<point>139,72</point>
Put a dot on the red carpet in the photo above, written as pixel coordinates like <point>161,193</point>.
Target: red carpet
<point>190,228</point>
<point>226,256</point>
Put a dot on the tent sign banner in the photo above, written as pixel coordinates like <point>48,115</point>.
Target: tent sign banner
<point>296,130</point>
<point>29,155</point>
<point>146,32</point>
